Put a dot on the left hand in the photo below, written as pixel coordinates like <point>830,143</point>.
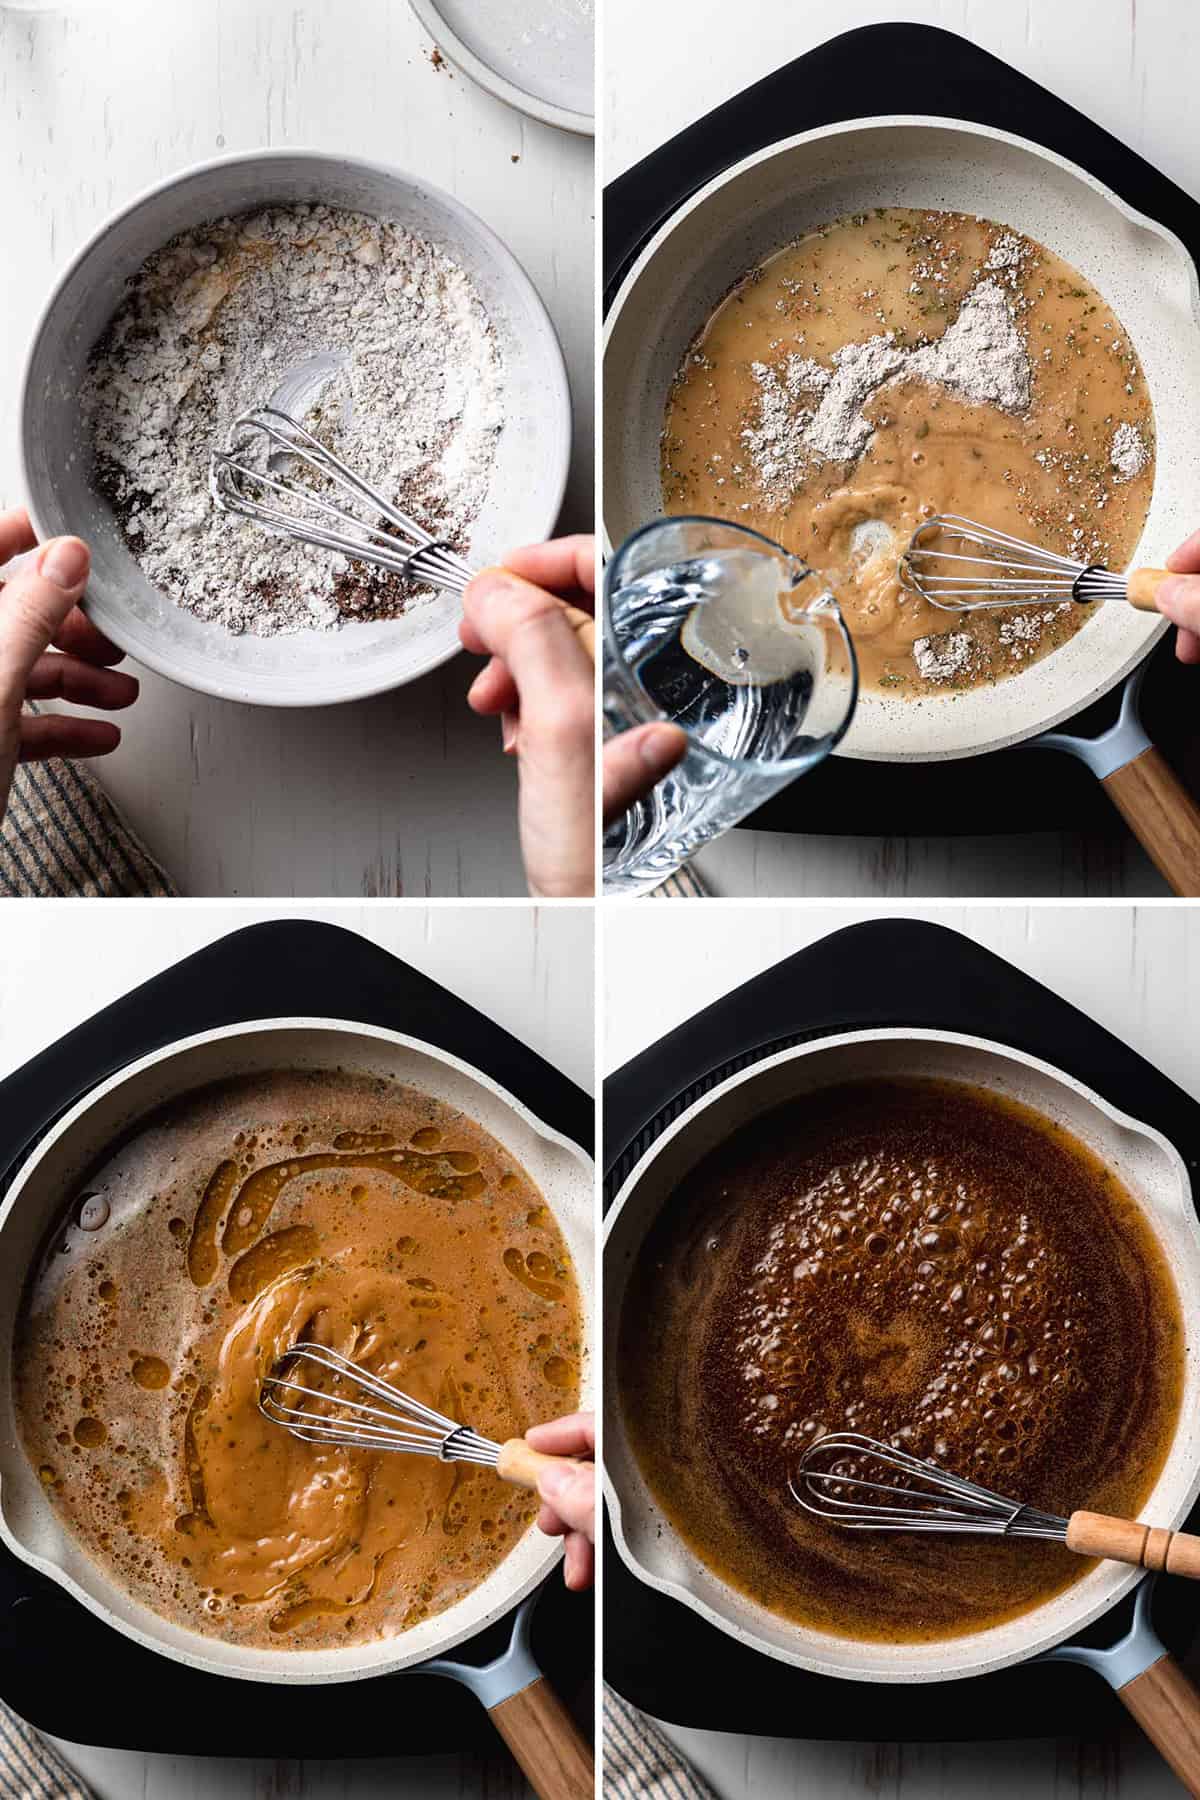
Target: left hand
<point>39,608</point>
<point>569,1495</point>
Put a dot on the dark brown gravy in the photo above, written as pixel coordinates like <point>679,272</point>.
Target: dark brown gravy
<point>915,1260</point>
<point>240,1219</point>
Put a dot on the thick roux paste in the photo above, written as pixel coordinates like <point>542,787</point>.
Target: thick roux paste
<point>328,1206</point>
<point>1048,434</point>
<point>932,1266</point>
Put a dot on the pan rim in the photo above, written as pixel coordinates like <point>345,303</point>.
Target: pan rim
<point>1003,732</point>
<point>299,1667</point>
<point>809,1655</point>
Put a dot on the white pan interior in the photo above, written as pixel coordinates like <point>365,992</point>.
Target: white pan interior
<point>44,1189</point>
<point>1142,270</point>
<point>307,668</point>
<point>1150,1168</point>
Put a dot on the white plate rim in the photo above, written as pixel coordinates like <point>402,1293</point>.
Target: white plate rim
<point>429,15</point>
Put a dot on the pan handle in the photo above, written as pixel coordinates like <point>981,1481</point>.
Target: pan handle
<point>1143,787</point>
<point>1162,816</point>
<point>1167,1707</point>
<point>528,1714</point>
<point>541,1734</point>
<point>1151,1684</point>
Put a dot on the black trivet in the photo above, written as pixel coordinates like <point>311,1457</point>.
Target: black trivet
<point>857,76</point>
<point>62,1668</point>
<point>889,972</point>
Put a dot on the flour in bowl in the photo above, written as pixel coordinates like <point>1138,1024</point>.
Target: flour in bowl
<point>409,393</point>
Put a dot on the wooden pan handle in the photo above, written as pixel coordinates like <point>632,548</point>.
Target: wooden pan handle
<point>522,1465</point>
<point>1167,1707</point>
<point>1142,587</point>
<point>1162,815</point>
<point>541,1734</point>
<point>1124,1540</point>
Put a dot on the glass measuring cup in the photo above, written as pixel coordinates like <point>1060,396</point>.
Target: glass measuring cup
<point>723,632</point>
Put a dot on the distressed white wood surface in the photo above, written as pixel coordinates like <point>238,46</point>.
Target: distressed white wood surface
<point>1127,63</point>
<point>1135,969</point>
<point>529,968</point>
<point>403,794</point>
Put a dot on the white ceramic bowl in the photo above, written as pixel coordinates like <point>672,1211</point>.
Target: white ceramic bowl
<point>309,668</point>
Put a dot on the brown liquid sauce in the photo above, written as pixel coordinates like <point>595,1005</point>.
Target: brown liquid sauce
<point>930,1265</point>
<point>1044,473</point>
<point>339,1208</point>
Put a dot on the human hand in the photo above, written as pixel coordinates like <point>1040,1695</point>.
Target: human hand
<point>569,1494</point>
<point>38,608</point>
<point>532,619</point>
<point>1179,600</point>
<point>635,761</point>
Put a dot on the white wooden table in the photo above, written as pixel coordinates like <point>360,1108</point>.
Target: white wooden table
<point>1136,970</point>
<point>1130,67</point>
<point>534,977</point>
<point>406,794</point>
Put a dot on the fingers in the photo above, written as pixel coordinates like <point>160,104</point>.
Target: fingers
<point>79,637</point>
<point>70,678</point>
<point>549,1522</point>
<point>16,534</point>
<point>551,673</point>
<point>636,761</point>
<point>1179,601</point>
<point>565,565</point>
<point>493,690</point>
<point>57,734</point>
<point>1186,560</point>
<point>34,607</point>
<point>1187,647</point>
<point>571,1490</point>
<point>574,1435</point>
<point>579,1562</point>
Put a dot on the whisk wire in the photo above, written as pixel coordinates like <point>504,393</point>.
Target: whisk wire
<point>927,1498</point>
<point>994,569</point>
<point>408,549</point>
<point>401,1423</point>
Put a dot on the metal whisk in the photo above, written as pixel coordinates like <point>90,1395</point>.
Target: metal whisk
<point>379,533</point>
<point>341,1413</point>
<point>961,566</point>
<point>862,1484</point>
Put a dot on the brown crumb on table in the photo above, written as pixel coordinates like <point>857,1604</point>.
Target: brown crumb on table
<point>438,61</point>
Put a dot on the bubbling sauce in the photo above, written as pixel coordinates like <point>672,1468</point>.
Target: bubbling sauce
<point>1005,389</point>
<point>335,1207</point>
<point>929,1264</point>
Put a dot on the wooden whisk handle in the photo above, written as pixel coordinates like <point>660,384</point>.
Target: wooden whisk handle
<point>1124,1540</point>
<point>519,1463</point>
<point>1142,587</point>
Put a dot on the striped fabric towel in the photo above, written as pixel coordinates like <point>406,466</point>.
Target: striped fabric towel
<point>684,884</point>
<point>639,1762</point>
<point>30,1768</point>
<point>62,835</point>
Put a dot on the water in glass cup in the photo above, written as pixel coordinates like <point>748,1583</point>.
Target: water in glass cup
<point>741,644</point>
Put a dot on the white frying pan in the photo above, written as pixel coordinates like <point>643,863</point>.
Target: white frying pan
<point>1143,270</point>
<point>523,1707</point>
<point>1151,1169</point>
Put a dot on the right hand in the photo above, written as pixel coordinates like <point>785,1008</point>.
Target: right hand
<point>1179,600</point>
<point>39,608</point>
